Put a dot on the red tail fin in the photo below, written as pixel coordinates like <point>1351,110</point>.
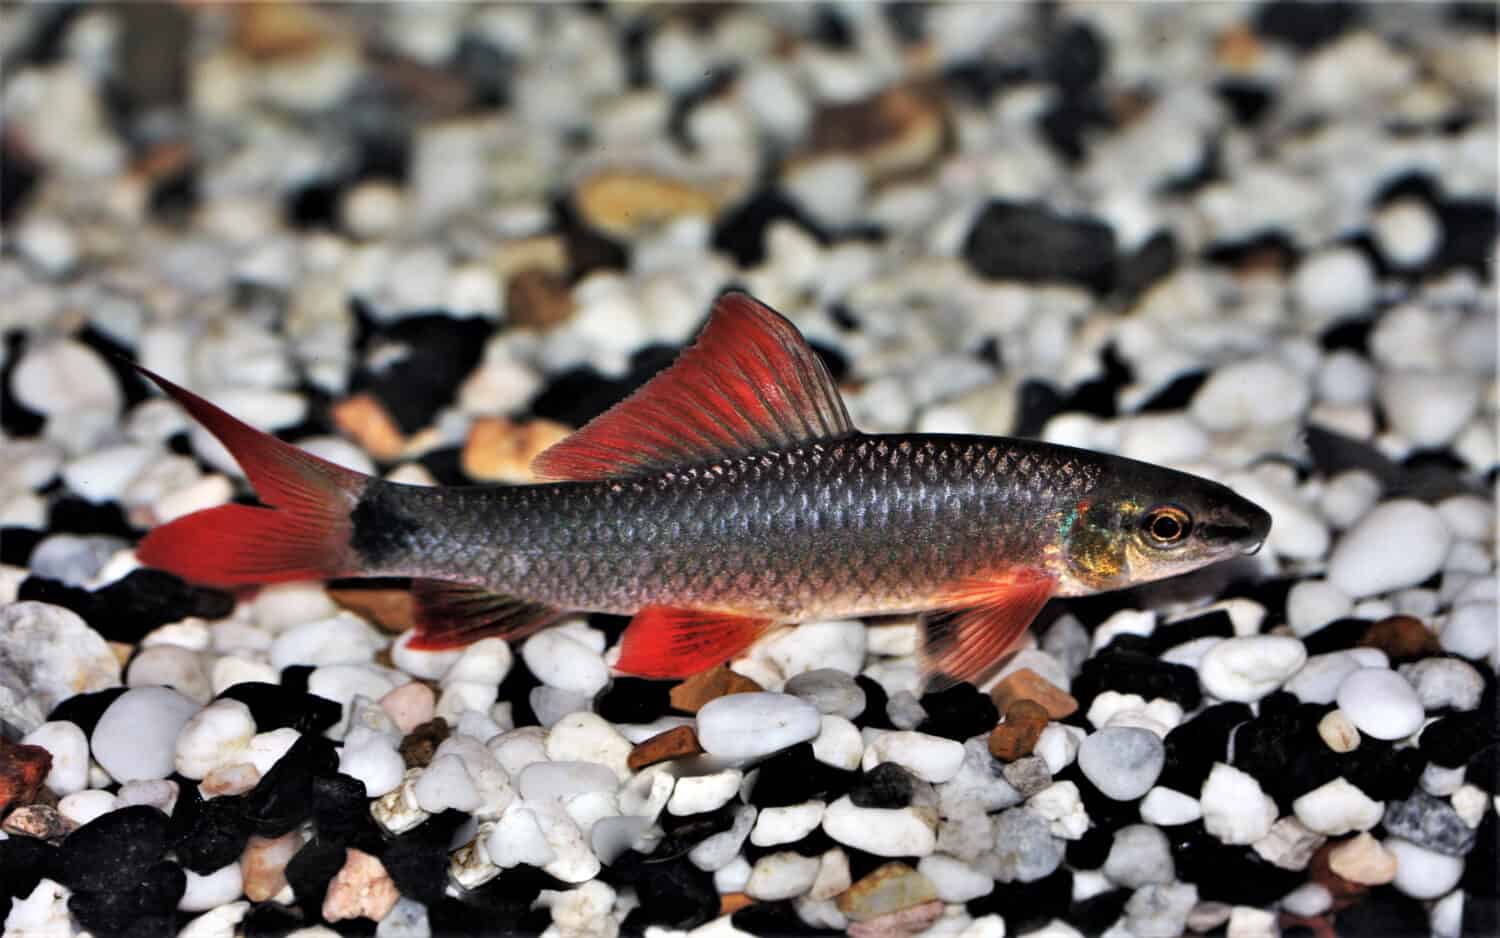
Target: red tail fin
<point>303,534</point>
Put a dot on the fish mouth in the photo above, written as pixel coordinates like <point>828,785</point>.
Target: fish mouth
<point>1243,531</point>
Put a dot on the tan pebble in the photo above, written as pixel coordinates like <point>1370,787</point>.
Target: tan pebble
<point>501,450</point>
<point>360,889</point>
<point>43,822</point>
<point>676,743</point>
<point>392,609</point>
<point>693,693</point>
<point>1239,49</point>
<point>629,202</point>
<point>548,253</point>
<point>1026,684</point>
<point>732,902</point>
<point>417,747</point>
<point>233,779</point>
<point>909,921</point>
<point>410,705</point>
<point>1338,731</point>
<point>365,420</point>
<point>291,30</point>
<point>896,131</point>
<point>537,299</point>
<point>1363,860</point>
<point>1017,736</point>
<point>263,864</point>
<point>890,888</point>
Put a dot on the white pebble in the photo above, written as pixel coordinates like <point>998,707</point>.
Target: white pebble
<point>211,890</point>
<point>1444,683</point>
<point>749,726</point>
<point>1380,703</point>
<point>1471,630</point>
<point>954,880</point>
<point>517,838</point>
<point>837,644</point>
<point>1319,680</point>
<point>1167,807</point>
<point>700,793</point>
<point>136,737</point>
<point>51,654</point>
<point>65,376</point>
<point>559,781</point>
<point>719,850</point>
<point>82,807</point>
<point>1423,873</point>
<point>930,758</point>
<point>587,737</point>
<point>375,763</point>
<point>487,661</point>
<point>342,639</point>
<point>444,784</point>
<point>1407,232</point>
<point>69,749</point>
<point>1312,604</point>
<point>560,661</point>
<point>171,666</point>
<point>1336,808</point>
<point>783,825</point>
<point>216,735</point>
<point>1235,809</point>
<point>1253,392</point>
<point>1428,408</point>
<point>1333,283</point>
<point>886,832</point>
<point>1400,543</point>
<point>781,875</point>
<point>1247,669</point>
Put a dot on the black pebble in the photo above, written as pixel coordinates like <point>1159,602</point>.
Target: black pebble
<point>1305,26</point>
<point>774,918</point>
<point>1136,673</point>
<point>446,465</point>
<point>1384,911</point>
<point>579,395</point>
<point>1481,917</point>
<point>1091,850</point>
<point>270,920</point>
<point>275,706</point>
<point>1026,906</point>
<point>1105,813</point>
<point>114,851</point>
<point>814,844</point>
<point>70,514</point>
<point>128,608</point>
<point>1215,624</point>
<point>516,688</point>
<point>793,776</point>
<point>417,861</point>
<point>634,700</point>
<point>1484,769</point>
<point>1281,751</point>
<point>341,813</point>
<point>1195,745</point>
<point>673,894</point>
<point>684,832</point>
<point>1469,229</point>
<point>1036,403</point>
<point>1075,58</point>
<point>1032,244</point>
<point>294,677</point>
<point>874,716</point>
<point>1453,740</point>
<point>1094,915</point>
<point>1247,101</point>
<point>959,712</point>
<point>1225,873</point>
<point>452,917</point>
<point>15,418</point>
<point>1481,867</point>
<point>440,351</point>
<point>84,710</point>
<point>887,785</point>
<point>282,799</point>
<point>742,231</point>
<point>24,862</point>
<point>146,907</point>
<point>310,871</point>
<point>588,250</point>
<point>1143,267</point>
<point>206,835</point>
<point>16,545</point>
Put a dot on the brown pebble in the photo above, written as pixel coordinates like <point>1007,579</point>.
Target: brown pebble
<point>732,902</point>
<point>1026,684</point>
<point>895,131</point>
<point>693,693</point>
<point>418,746</point>
<point>365,420</point>
<point>360,889</point>
<point>548,253</point>
<point>1402,638</point>
<point>1016,737</point>
<point>889,888</point>
<point>1319,926</point>
<point>675,743</point>
<point>1344,892</point>
<point>40,821</point>
<point>392,609</point>
<point>537,299</point>
<point>23,769</point>
<point>501,450</point>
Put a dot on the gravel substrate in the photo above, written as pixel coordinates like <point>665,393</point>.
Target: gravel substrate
<point>1253,241</point>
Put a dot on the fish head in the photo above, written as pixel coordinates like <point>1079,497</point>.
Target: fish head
<point>1155,523</point>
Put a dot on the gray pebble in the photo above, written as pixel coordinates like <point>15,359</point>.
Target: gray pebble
<point>72,558</point>
<point>1025,850</point>
<point>1029,775</point>
<point>1139,856</point>
<point>830,690</point>
<point>1122,761</point>
<point>1429,822</point>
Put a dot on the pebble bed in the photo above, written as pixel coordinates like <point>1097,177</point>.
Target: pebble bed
<point>1252,241</point>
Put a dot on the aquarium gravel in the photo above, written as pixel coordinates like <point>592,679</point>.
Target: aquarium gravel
<point>1253,241</point>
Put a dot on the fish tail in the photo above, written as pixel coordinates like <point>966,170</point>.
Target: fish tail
<point>301,531</point>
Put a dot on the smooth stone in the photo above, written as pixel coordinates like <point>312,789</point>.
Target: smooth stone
<point>72,558</point>
<point>1400,543</point>
<point>1336,808</point>
<point>517,838</point>
<point>172,666</point>
<point>781,875</point>
<point>1312,604</point>
<point>1247,669</point>
<point>700,793</point>
<point>750,726</point>
<point>930,758</point>
<point>1444,683</point>
<point>1122,762</point>
<point>69,748</point>
<point>1471,630</point>
<point>717,851</point>
<point>211,890</point>
<point>832,691</point>
<point>559,781</point>
<point>216,735</point>
<point>1235,808</point>
<point>136,736</point>
<point>558,660</point>
<point>1422,873</point>
<point>786,824</point>
<point>1380,703</point>
<point>587,737</point>
<point>953,879</point>
<point>1167,807</point>
<point>1025,848</point>
<point>885,832</point>
<point>1139,855</point>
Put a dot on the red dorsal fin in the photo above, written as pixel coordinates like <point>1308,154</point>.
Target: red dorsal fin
<point>662,641</point>
<point>451,615</point>
<point>979,621</point>
<point>750,382</point>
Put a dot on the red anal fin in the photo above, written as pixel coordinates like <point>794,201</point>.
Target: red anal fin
<point>451,615</point>
<point>663,641</point>
<point>302,534</point>
<point>750,382</point>
<point>979,621</point>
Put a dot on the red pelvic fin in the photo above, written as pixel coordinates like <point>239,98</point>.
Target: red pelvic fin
<point>302,534</point>
<point>979,621</point>
<point>663,641</point>
<point>451,615</point>
<point>750,382</point>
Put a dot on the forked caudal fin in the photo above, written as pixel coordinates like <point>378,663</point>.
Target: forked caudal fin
<point>302,533</point>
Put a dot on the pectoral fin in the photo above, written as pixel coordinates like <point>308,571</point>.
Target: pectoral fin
<point>663,641</point>
<point>979,621</point>
<point>451,615</point>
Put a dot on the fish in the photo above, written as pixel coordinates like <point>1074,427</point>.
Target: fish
<point>728,496</point>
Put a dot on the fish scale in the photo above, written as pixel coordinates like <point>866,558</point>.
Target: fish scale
<point>880,523</point>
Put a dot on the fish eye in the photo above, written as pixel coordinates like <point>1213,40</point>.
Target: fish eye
<point>1166,525</point>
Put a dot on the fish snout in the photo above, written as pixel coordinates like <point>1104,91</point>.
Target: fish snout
<point>1241,526</point>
